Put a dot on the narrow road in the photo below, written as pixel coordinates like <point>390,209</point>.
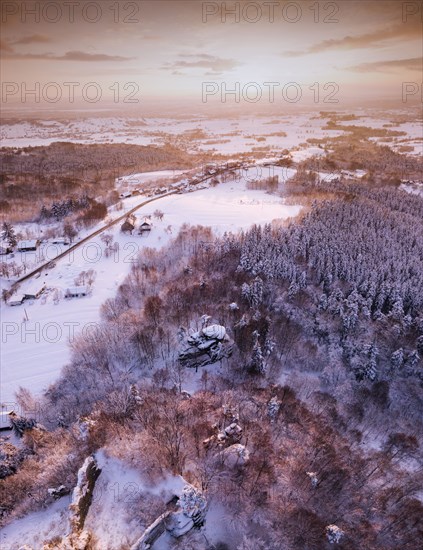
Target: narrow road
<point>104,228</point>
<point>90,236</point>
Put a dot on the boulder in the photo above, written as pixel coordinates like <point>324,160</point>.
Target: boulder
<point>334,534</point>
<point>58,492</point>
<point>193,504</point>
<point>235,455</point>
<point>214,332</point>
<point>233,432</point>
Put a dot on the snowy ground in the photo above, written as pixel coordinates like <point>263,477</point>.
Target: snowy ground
<point>34,351</point>
<point>37,527</point>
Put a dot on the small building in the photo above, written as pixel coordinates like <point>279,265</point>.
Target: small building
<point>125,195</point>
<point>5,250</point>
<point>129,224</point>
<point>5,422</point>
<point>29,245</point>
<point>34,293</point>
<point>145,227</point>
<point>16,300</point>
<point>61,240</point>
<point>76,292</point>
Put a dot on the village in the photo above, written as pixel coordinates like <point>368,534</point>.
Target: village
<point>30,258</point>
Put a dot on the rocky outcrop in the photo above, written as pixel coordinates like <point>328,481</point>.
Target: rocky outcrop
<point>205,347</point>
<point>228,436</point>
<point>83,494</point>
<point>191,512</point>
<point>334,534</point>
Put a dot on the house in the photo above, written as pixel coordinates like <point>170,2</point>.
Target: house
<point>34,293</point>
<point>16,300</point>
<point>29,245</point>
<point>5,250</point>
<point>76,292</point>
<point>145,227</point>
<point>5,423</point>
<point>125,195</point>
<point>61,240</point>
<point>129,224</point>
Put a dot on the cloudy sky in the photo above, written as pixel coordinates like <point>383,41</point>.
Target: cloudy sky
<point>168,50</point>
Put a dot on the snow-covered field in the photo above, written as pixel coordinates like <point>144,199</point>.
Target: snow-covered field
<point>226,136</point>
<point>34,351</point>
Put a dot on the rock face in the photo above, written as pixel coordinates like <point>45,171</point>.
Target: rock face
<point>83,493</point>
<point>207,346</point>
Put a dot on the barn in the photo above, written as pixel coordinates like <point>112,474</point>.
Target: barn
<point>29,245</point>
<point>76,292</point>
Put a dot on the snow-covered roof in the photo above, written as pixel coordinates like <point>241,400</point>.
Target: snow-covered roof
<point>32,243</point>
<point>18,299</point>
<point>5,419</point>
<point>77,290</point>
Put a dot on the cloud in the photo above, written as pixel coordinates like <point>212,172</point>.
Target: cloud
<point>32,39</point>
<point>74,55</point>
<point>202,61</point>
<point>82,56</point>
<point>412,64</point>
<point>375,39</point>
